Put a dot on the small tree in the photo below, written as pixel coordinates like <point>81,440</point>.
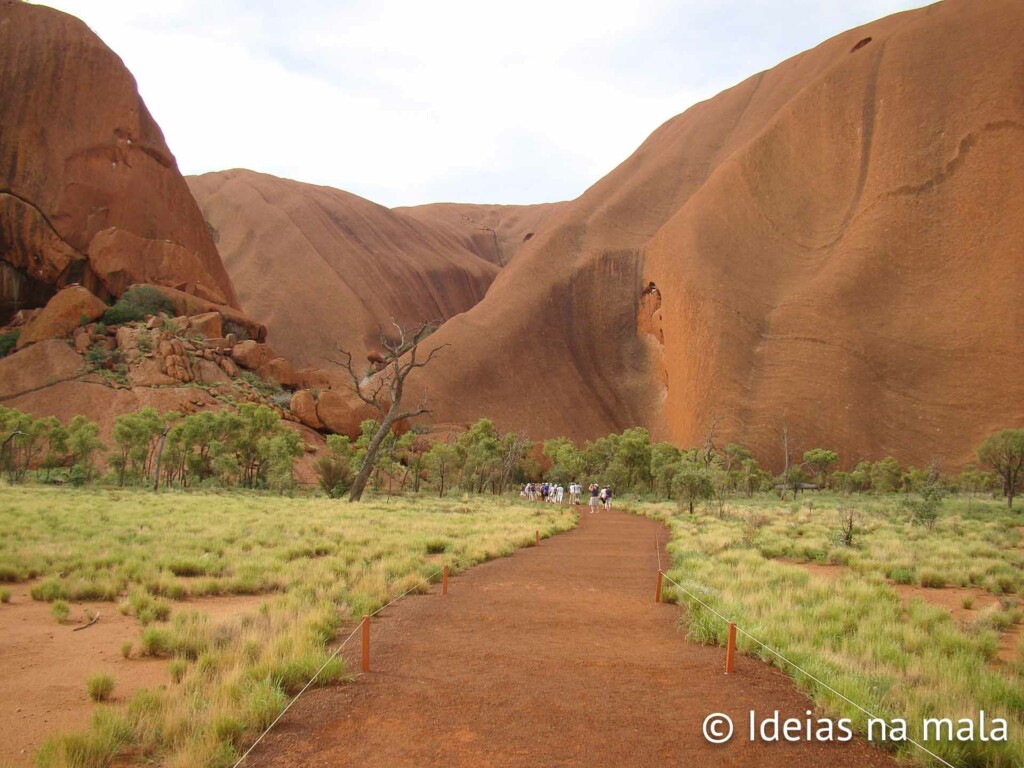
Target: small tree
<point>693,484</point>
<point>1004,452</point>
<point>820,461</point>
<point>442,460</point>
<point>385,390</point>
<point>566,460</point>
<point>84,442</point>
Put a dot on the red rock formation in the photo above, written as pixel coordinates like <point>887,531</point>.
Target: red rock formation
<point>836,244</point>
<point>321,267</point>
<point>62,314</point>
<point>492,232</point>
<point>89,191</point>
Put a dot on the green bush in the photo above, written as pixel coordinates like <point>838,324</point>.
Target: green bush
<point>903,576</point>
<point>8,340</point>
<point>136,303</point>
<point>100,687</point>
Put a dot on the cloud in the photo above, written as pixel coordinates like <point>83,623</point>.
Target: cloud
<point>408,102</point>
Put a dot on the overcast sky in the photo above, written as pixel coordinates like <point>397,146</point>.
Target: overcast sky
<point>413,101</point>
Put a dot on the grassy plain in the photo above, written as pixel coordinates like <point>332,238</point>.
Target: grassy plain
<point>321,563</point>
<point>851,629</point>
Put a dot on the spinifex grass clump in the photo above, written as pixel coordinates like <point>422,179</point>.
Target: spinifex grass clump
<point>99,687</point>
<point>849,627</point>
<point>320,565</point>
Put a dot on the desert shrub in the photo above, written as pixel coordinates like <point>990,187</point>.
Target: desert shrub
<point>436,546</point>
<point>136,303</point>
<point>126,648</point>
<point>8,340</point>
<point>5,595</point>
<point>933,579</point>
<point>178,668</point>
<point>155,642</point>
<point>60,610</point>
<point>903,575</point>
<point>334,474</point>
<point>100,687</point>
<point>48,591</point>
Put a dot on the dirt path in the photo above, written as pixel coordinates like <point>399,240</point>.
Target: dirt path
<point>557,656</point>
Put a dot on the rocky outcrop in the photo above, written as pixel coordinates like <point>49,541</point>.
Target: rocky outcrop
<point>89,191</point>
<point>67,310</point>
<point>324,268</point>
<point>837,248</point>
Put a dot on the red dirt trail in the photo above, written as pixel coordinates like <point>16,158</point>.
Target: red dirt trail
<point>557,656</point>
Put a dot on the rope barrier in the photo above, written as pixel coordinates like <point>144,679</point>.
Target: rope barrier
<point>296,698</point>
<point>797,667</point>
<point>426,580</point>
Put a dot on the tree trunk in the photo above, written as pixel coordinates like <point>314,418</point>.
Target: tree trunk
<point>159,456</point>
<point>369,461</point>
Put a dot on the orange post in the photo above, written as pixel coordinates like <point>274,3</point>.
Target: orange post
<point>538,538</point>
<point>366,643</point>
<point>444,581</point>
<point>730,650</point>
<point>657,593</point>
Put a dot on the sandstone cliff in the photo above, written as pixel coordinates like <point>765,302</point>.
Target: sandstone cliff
<point>89,191</point>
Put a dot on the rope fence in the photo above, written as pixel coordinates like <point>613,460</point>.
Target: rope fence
<point>731,650</point>
<point>364,626</point>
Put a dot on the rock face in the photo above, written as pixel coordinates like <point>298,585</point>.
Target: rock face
<point>492,232</point>
<point>322,267</point>
<point>68,309</point>
<point>89,191</point>
<point>835,245</point>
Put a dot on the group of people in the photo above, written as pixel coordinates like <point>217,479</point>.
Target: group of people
<point>600,496</point>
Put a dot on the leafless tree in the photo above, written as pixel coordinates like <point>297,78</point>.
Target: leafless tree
<point>384,390</point>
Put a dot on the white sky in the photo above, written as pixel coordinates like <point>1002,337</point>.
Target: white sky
<point>412,101</point>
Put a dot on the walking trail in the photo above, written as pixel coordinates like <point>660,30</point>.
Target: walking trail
<point>556,656</point>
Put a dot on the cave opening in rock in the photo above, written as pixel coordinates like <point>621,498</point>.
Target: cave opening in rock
<point>860,45</point>
<point>20,291</point>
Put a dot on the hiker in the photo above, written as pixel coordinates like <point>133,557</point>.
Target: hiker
<point>559,493</point>
<point>593,497</point>
<point>608,498</point>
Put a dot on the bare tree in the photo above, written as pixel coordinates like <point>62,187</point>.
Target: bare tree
<point>708,451</point>
<point>384,390</point>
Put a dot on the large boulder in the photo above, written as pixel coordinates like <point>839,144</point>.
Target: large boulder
<point>208,372</point>
<point>208,324</point>
<point>70,308</point>
<point>340,413</point>
<point>281,371</point>
<point>303,407</point>
<point>250,354</point>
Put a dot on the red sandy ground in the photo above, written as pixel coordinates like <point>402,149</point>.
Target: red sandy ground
<point>557,656</point>
<point>44,665</point>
